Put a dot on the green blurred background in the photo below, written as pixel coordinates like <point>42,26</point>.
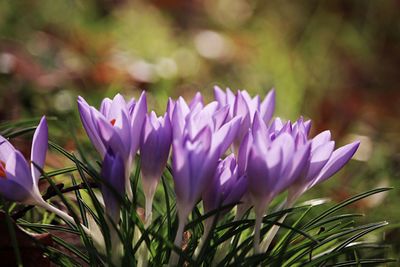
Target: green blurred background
<point>336,62</point>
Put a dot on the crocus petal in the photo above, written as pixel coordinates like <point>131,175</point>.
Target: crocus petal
<point>319,158</point>
<point>299,162</point>
<point>226,188</point>
<point>220,117</point>
<point>154,151</point>
<point>274,159</point>
<point>286,143</point>
<point>193,169</point>
<point>320,139</point>
<point>17,170</point>
<point>197,99</point>
<point>6,149</point>
<point>86,113</point>
<point>113,172</point>
<point>118,105</point>
<point>276,125</point>
<point>223,138</point>
<point>239,188</point>
<point>39,148</point>
<point>243,153</point>
<point>287,128</point>
<point>230,97</point>
<point>212,194</point>
<point>138,117</point>
<point>220,96</point>
<point>338,159</point>
<point>110,137</point>
<point>268,106</point>
<point>179,117</point>
<point>203,117</point>
<point>242,111</point>
<point>131,105</point>
<point>258,174</point>
<point>170,108</point>
<point>181,171</point>
<point>13,191</point>
<point>307,126</point>
<point>240,107</point>
<point>105,106</point>
<point>259,130</point>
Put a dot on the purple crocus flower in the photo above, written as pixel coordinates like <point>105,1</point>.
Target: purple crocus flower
<point>113,173</point>
<point>18,178</point>
<point>316,168</point>
<point>242,105</point>
<point>200,138</point>
<point>154,151</point>
<point>273,165</point>
<point>194,161</point>
<point>323,162</point>
<point>117,125</point>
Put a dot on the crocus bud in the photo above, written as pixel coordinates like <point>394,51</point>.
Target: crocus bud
<point>154,151</point>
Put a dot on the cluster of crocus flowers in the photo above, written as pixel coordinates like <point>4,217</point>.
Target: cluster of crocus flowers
<point>225,152</point>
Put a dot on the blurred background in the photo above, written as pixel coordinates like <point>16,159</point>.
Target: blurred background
<point>336,62</point>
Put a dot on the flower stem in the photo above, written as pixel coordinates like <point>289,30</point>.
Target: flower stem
<point>128,186</point>
<point>207,228</point>
<point>61,214</point>
<point>148,214</point>
<point>257,227</point>
<point>173,261</point>
<point>259,209</point>
<point>275,228</point>
<point>271,234</point>
<point>143,252</point>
